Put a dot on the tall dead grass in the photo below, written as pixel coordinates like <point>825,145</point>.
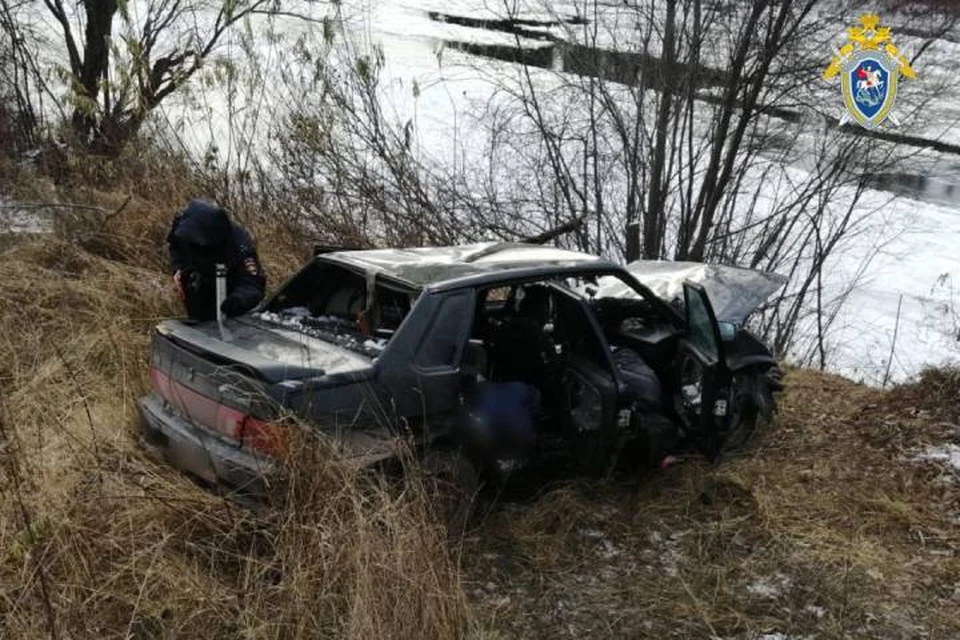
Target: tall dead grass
<point>98,540</point>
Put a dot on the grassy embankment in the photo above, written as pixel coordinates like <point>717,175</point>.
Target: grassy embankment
<point>826,527</point>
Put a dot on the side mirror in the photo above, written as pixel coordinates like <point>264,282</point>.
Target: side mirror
<point>728,331</point>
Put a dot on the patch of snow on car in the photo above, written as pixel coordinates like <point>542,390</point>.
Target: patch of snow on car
<point>338,331</point>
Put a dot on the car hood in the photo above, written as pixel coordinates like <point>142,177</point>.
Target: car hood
<point>734,292</point>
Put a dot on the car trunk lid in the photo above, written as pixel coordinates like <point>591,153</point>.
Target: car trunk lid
<point>235,388</point>
<point>273,354</point>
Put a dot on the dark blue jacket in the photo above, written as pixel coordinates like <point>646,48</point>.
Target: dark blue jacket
<point>202,236</point>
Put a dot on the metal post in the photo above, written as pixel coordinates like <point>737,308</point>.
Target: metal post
<point>221,296</point>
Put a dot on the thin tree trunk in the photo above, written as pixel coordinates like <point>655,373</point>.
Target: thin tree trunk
<point>652,237</point>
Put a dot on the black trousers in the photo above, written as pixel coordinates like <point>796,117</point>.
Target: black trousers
<point>200,293</point>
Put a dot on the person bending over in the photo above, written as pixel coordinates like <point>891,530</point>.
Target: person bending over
<point>203,236</point>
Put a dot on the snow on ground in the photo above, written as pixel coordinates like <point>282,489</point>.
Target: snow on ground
<point>916,270</point>
<point>15,219</point>
<point>946,454</point>
<point>769,588</point>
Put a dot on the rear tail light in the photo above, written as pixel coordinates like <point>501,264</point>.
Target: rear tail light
<point>199,408</point>
<point>264,436</point>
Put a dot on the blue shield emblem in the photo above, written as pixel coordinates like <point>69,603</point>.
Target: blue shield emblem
<point>869,85</point>
<point>869,66</point>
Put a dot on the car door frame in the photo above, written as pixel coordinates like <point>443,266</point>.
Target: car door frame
<point>594,450</point>
<point>707,427</point>
<point>424,396</point>
<point>441,381</point>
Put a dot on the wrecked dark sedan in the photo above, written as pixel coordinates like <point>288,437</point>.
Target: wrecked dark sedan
<point>489,354</point>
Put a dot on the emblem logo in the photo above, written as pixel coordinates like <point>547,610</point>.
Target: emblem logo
<point>870,66</point>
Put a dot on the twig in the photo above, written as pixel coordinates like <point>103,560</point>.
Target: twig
<point>143,587</point>
<point>698,606</point>
<point>107,217</point>
<point>56,205</point>
<point>287,14</point>
<point>14,471</point>
<point>555,232</point>
<point>893,343</point>
<point>86,408</point>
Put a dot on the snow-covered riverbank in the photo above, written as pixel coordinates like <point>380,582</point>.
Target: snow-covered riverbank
<point>900,274</point>
<point>18,219</point>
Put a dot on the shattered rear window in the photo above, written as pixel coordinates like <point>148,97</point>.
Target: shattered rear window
<point>332,303</point>
<point>339,331</point>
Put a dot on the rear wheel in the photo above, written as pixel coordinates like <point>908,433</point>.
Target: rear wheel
<point>453,482</point>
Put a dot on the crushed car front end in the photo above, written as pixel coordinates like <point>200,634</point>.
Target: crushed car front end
<point>751,368</point>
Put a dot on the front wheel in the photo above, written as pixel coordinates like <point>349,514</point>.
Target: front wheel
<point>754,403</point>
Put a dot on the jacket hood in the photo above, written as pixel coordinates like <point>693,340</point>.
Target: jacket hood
<point>203,224</point>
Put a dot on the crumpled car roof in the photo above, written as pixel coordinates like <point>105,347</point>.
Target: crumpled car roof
<point>423,266</point>
<point>734,292</point>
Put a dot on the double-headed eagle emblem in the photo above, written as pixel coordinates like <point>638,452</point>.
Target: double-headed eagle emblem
<point>869,65</point>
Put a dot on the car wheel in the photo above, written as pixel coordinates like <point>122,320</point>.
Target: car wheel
<point>754,404</point>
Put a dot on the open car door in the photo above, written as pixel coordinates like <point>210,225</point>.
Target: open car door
<point>588,392</point>
<point>702,397</point>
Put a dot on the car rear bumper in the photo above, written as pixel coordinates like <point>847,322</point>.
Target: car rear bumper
<point>201,452</point>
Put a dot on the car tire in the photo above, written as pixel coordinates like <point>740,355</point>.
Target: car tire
<point>453,483</point>
<point>754,404</point>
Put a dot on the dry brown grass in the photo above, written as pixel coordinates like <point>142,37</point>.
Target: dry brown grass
<point>98,540</point>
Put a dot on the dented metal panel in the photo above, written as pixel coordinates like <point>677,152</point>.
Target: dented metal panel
<point>734,292</point>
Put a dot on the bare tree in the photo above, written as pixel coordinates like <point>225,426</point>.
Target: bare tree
<point>125,59</point>
<point>22,87</point>
<point>699,133</point>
